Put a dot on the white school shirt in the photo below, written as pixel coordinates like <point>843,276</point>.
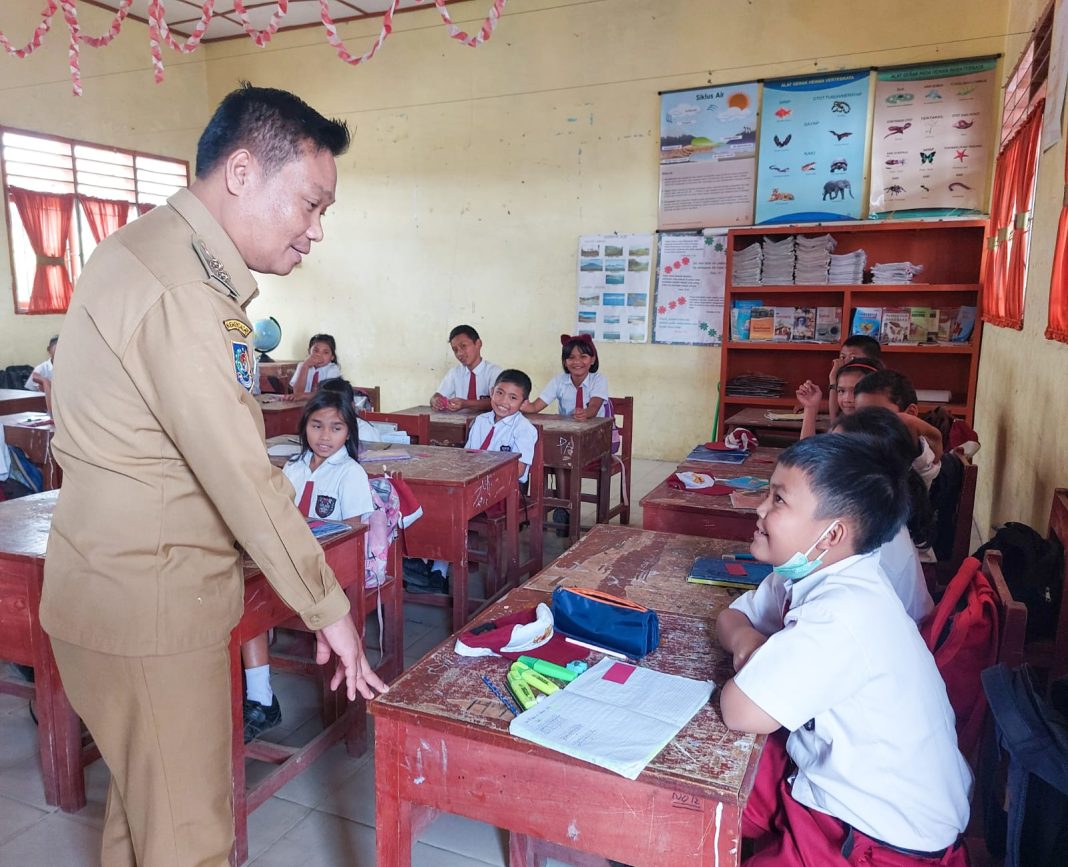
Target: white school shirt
<point>871,730</point>
<point>512,434</point>
<point>455,381</point>
<point>562,389</point>
<point>341,488</point>
<point>44,370</point>
<point>901,562</point>
<point>330,370</point>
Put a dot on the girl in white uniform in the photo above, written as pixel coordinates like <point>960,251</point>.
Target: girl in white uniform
<point>580,390</point>
<point>320,365</point>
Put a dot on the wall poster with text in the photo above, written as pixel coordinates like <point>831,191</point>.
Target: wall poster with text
<point>933,137</point>
<point>707,156</point>
<point>613,287</point>
<point>812,144</point>
<point>690,276</point>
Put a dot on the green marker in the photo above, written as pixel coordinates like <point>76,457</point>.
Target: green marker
<point>549,669</point>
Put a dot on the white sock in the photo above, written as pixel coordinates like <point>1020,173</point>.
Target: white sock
<point>441,566</point>
<point>258,685</point>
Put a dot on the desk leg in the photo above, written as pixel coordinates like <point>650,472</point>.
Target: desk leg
<point>511,527</point>
<point>521,851</point>
<point>393,820</point>
<point>574,480</point>
<point>239,853</point>
<point>459,580</point>
<point>59,736</point>
<point>604,489</point>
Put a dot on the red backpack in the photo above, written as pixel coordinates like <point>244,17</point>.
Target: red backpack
<point>962,634</point>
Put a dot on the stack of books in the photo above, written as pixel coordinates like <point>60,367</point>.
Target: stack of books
<point>894,273</point>
<point>813,258</point>
<point>779,260</point>
<point>747,264</point>
<point>848,268</point>
<point>755,385</point>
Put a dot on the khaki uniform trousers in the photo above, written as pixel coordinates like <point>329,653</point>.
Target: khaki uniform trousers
<point>163,725</point>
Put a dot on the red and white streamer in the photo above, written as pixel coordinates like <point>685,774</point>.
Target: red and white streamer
<point>159,32</point>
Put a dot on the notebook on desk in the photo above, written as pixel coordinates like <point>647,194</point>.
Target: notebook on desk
<point>737,574</point>
<point>716,456</point>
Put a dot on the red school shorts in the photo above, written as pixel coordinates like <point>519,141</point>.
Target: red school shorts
<point>789,834</point>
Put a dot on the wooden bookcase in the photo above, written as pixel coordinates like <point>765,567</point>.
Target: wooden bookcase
<point>951,251</point>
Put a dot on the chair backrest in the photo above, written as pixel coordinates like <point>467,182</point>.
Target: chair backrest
<point>536,476</point>
<point>962,536</point>
<point>623,408</point>
<point>416,426</point>
<point>1012,615</point>
<point>1058,527</point>
<point>374,395</point>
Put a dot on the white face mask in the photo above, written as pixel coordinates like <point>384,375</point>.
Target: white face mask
<point>799,566</point>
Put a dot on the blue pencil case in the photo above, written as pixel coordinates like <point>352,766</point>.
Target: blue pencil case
<point>606,621</point>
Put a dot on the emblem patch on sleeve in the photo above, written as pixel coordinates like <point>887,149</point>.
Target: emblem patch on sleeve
<point>242,364</point>
<point>324,506</point>
<point>238,326</point>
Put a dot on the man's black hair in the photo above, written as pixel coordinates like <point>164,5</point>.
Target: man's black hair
<point>896,386</point>
<point>868,345</point>
<point>274,125</point>
<point>854,477</point>
<point>516,377</point>
<point>465,331</point>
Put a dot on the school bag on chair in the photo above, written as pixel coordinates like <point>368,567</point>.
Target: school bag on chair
<point>962,634</point>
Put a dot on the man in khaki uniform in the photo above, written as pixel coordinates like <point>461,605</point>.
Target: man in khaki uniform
<point>166,474</point>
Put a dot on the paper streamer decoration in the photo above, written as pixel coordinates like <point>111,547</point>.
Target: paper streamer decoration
<point>159,32</point>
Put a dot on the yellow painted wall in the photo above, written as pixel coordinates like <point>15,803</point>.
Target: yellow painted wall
<point>120,107</point>
<point>1023,378</point>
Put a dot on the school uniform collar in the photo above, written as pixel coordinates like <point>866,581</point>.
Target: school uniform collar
<point>479,368</point>
<point>210,237</point>
<point>338,457</point>
<point>802,588</point>
<point>507,421</point>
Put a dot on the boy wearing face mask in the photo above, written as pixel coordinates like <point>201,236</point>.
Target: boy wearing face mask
<point>863,765</point>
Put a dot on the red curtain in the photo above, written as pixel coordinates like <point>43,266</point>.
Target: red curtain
<point>46,218</point>
<point>1010,214</point>
<point>104,215</point>
<point>1057,329</point>
<point>143,208</point>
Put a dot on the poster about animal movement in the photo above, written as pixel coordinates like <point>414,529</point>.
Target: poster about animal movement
<point>932,137</point>
<point>812,138</point>
<point>690,275</point>
<point>707,156</point>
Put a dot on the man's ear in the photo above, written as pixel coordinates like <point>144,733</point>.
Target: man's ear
<point>238,169</point>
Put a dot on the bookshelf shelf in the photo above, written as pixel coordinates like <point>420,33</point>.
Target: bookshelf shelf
<point>951,253</point>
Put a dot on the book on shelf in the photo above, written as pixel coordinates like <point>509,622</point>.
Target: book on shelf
<point>784,324</point>
<point>762,323</point>
<point>866,321</point>
<point>918,324</point>
<point>740,312</point>
<point>804,324</point>
<point>895,325</point>
<point>828,324</point>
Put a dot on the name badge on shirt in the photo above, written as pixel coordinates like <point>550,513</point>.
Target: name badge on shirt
<point>242,364</point>
<point>324,506</point>
<point>505,449</point>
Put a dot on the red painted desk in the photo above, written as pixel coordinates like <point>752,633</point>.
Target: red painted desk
<point>784,430</point>
<point>446,428</point>
<point>21,400</point>
<point>35,440</point>
<point>280,417</point>
<point>65,751</point>
<point>442,745</point>
<point>760,463</point>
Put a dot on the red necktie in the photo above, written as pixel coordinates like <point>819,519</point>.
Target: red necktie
<point>305,499</point>
<point>578,398</point>
<point>315,379</point>
<point>472,388</point>
<point>486,442</point>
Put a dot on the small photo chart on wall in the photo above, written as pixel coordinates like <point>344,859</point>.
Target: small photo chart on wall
<point>707,156</point>
<point>690,275</point>
<point>613,287</point>
<point>933,134</point>
<point>812,145</point>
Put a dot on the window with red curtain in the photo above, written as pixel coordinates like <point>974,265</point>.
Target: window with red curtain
<point>46,218</point>
<point>1057,327</point>
<point>104,215</point>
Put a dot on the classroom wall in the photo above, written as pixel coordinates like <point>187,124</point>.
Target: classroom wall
<point>1023,378</point>
<point>120,106</point>
<point>474,171</point>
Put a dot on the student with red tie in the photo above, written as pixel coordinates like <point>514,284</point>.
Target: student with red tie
<point>320,365</point>
<point>328,484</point>
<point>466,386</point>
<point>580,390</point>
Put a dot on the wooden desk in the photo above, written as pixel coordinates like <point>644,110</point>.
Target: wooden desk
<point>65,751</point>
<point>442,745</point>
<point>446,428</point>
<point>35,440</point>
<point>21,400</point>
<point>282,371</point>
<point>452,486</point>
<point>673,511</point>
<point>784,431</point>
<point>760,463</point>
<point>281,416</point>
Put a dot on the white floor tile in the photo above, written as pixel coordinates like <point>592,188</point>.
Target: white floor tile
<point>55,840</point>
<point>322,840</point>
<point>273,820</point>
<point>326,775</point>
<point>16,817</point>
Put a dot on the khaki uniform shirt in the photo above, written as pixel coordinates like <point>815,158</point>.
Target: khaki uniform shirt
<point>162,449</point>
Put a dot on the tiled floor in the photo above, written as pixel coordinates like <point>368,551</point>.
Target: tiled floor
<point>324,818</point>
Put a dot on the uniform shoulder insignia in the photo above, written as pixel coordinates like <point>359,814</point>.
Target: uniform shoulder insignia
<point>237,325</point>
<point>213,266</point>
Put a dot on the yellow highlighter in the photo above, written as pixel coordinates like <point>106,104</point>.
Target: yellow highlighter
<point>521,692</point>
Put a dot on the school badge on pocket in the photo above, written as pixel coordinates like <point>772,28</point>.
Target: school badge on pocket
<point>324,506</point>
<point>242,364</point>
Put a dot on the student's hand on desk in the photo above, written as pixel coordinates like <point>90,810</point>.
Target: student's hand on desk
<point>352,665</point>
<point>809,395</point>
<point>454,404</point>
<point>438,403</point>
<point>583,414</point>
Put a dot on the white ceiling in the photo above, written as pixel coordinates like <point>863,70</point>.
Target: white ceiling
<point>182,15</point>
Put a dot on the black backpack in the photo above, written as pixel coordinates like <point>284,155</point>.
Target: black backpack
<point>15,376</point>
<point>1033,571</point>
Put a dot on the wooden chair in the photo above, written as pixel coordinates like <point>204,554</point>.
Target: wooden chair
<point>623,407</point>
<point>490,530</point>
<point>416,426</point>
<point>374,396</point>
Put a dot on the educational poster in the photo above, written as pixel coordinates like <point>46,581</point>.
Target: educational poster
<point>932,137</point>
<point>812,142</point>
<point>707,156</point>
<point>690,274</point>
<point>613,287</point>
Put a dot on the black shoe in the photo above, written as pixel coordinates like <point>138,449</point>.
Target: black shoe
<point>562,516</point>
<point>259,718</point>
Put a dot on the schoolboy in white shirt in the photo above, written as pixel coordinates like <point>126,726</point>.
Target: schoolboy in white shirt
<point>870,772</point>
<point>41,378</point>
<point>468,385</point>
